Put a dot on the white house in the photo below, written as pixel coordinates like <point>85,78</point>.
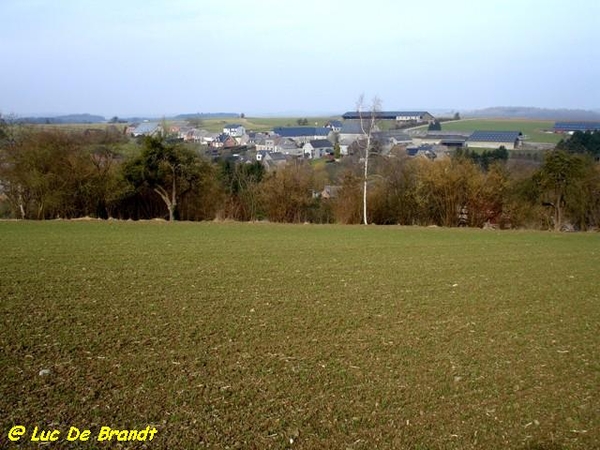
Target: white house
<point>234,130</point>
<point>318,148</point>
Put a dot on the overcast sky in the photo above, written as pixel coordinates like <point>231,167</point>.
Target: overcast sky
<point>162,57</point>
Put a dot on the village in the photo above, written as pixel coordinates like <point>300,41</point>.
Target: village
<point>413,133</point>
<point>395,133</point>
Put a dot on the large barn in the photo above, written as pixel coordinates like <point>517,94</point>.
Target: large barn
<point>398,116</point>
<point>302,134</point>
<point>494,139</point>
<point>570,127</point>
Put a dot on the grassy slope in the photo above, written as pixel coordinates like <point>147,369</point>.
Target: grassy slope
<point>534,130</point>
<point>247,335</point>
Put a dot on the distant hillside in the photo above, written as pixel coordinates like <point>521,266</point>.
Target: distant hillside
<point>520,112</point>
<point>67,119</point>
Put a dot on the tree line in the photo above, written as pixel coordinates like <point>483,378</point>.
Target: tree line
<point>54,173</point>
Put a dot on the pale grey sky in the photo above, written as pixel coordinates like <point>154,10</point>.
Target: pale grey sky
<point>163,57</point>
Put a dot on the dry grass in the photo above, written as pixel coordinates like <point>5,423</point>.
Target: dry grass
<point>256,335</point>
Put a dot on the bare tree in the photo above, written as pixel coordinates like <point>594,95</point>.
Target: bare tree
<point>368,119</point>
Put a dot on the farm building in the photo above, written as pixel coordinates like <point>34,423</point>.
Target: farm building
<point>445,138</point>
<point>570,127</point>
<point>147,129</point>
<point>398,116</point>
<point>351,130</point>
<point>394,136</point>
<point>302,134</point>
<point>494,139</point>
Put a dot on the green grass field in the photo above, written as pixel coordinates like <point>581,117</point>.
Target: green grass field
<point>228,335</point>
<point>533,130</point>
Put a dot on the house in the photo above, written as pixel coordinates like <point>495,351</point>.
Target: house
<point>334,125</point>
<point>391,137</point>
<point>234,129</point>
<point>207,137</point>
<point>267,143</point>
<point>254,137</point>
<point>425,150</point>
<point>196,135</point>
<point>271,160</point>
<point>147,129</point>
<point>494,139</point>
<point>289,147</point>
<point>276,159</point>
<point>224,141</point>
<point>330,191</point>
<point>398,116</point>
<point>302,134</point>
<point>571,127</point>
<point>351,131</point>
<point>278,144</point>
<point>244,139</point>
<point>317,148</point>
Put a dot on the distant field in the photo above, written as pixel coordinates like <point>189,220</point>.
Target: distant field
<point>263,123</point>
<point>80,126</point>
<point>214,125</point>
<point>532,129</point>
<point>301,336</point>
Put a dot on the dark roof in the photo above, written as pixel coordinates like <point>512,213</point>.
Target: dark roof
<point>287,144</point>
<point>321,143</point>
<point>277,156</point>
<point>398,135</point>
<point>301,131</point>
<point>256,135</point>
<point>352,127</point>
<point>223,137</point>
<point>447,134</point>
<point>494,136</point>
<point>452,142</point>
<point>447,137</point>
<point>233,125</point>
<point>335,123</point>
<point>576,126</point>
<point>353,115</point>
<point>413,151</point>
